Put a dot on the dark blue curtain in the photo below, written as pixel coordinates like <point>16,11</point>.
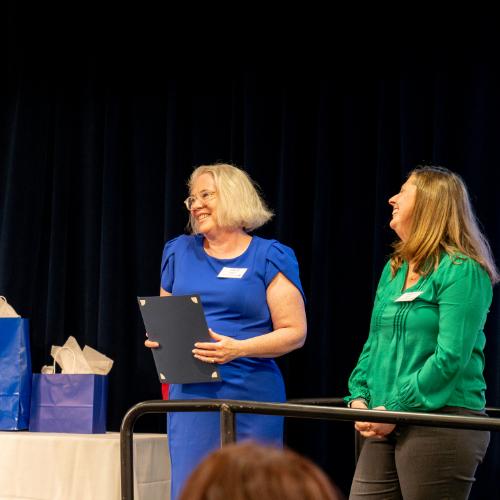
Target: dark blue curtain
<point>98,136</point>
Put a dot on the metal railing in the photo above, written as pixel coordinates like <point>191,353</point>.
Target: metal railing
<point>315,409</point>
<point>491,411</point>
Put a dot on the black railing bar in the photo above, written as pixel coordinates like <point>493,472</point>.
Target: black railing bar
<point>492,411</point>
<point>351,414</point>
<point>319,412</point>
<point>317,401</point>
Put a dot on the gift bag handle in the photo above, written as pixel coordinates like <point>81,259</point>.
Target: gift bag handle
<point>57,354</point>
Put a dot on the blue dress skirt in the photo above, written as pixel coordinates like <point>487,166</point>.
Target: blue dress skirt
<point>237,308</point>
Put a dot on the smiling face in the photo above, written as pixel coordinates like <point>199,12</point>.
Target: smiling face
<point>203,211</point>
<point>402,209</point>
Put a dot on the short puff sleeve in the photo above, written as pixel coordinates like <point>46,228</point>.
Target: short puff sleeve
<point>281,259</point>
<point>167,265</point>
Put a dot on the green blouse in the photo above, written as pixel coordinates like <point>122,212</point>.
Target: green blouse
<point>427,353</point>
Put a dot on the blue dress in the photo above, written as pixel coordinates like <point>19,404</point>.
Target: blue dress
<point>237,308</point>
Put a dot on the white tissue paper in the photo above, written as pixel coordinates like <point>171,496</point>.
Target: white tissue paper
<point>73,360</point>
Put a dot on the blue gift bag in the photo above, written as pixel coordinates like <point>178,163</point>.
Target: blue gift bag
<point>69,403</point>
<point>15,374</point>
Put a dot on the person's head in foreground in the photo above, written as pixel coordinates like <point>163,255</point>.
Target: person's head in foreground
<point>249,471</point>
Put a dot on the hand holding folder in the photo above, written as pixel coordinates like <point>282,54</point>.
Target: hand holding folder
<point>176,323</point>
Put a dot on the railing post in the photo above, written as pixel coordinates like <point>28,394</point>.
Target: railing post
<point>227,425</point>
<point>127,455</point>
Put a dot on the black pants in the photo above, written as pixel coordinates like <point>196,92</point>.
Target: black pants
<point>415,462</point>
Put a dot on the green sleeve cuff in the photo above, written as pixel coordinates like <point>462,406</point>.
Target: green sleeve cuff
<point>349,399</point>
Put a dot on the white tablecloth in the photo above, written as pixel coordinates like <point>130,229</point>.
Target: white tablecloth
<point>51,466</point>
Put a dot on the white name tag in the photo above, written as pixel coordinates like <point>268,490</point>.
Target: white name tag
<point>408,296</point>
<point>232,272</point>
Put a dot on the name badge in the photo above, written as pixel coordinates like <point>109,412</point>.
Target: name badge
<point>408,296</point>
<point>232,272</point>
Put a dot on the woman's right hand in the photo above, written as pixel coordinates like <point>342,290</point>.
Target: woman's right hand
<point>151,344</point>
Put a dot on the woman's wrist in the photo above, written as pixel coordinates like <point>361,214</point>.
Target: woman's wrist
<point>357,402</point>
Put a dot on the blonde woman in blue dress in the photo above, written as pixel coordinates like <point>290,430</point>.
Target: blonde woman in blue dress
<point>253,302</point>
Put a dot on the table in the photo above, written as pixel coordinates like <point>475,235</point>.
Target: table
<point>52,466</point>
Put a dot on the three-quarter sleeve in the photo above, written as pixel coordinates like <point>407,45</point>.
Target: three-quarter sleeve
<point>281,259</point>
<point>464,297</point>
<point>167,265</point>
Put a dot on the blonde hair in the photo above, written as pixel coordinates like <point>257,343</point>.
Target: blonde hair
<point>239,203</point>
<point>443,220</point>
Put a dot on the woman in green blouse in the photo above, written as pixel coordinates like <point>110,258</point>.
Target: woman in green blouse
<point>425,347</point>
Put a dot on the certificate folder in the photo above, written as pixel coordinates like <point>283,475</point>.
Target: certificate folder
<point>176,323</point>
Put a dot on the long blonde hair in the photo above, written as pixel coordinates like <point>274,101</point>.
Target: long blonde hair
<point>239,203</point>
<point>443,220</point>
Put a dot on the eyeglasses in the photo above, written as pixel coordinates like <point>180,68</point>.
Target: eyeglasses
<point>203,196</point>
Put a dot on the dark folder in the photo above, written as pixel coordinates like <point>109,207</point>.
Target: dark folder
<point>177,322</point>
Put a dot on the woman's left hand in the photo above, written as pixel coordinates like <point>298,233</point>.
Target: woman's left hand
<point>375,429</point>
<point>223,350</point>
